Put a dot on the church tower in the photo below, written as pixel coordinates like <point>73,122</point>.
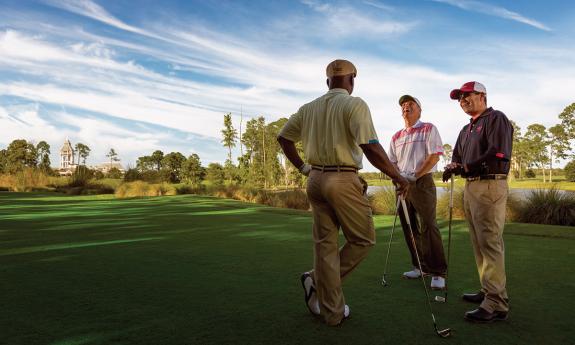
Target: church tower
<point>67,156</point>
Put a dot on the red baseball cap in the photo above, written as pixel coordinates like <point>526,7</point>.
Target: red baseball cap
<point>471,86</point>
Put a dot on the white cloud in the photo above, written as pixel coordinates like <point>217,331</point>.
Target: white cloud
<point>497,11</point>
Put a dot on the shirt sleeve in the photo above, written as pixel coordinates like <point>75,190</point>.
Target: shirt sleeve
<point>361,124</point>
<point>292,129</point>
<point>434,144</point>
<point>392,156</point>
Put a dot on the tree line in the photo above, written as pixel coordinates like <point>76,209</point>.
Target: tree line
<point>261,162</point>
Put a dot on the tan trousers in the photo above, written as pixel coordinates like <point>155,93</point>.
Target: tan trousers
<point>484,203</point>
<point>337,200</point>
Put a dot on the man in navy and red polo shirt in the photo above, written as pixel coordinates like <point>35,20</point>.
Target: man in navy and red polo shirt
<point>481,155</point>
<point>415,151</point>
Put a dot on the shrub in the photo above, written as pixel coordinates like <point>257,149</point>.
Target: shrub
<point>383,201</point>
<point>81,176</point>
<point>442,210</point>
<point>529,173</point>
<point>548,206</point>
<point>570,171</point>
<point>143,189</point>
<point>27,180</point>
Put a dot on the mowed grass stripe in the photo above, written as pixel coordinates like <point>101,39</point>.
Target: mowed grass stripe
<point>223,272</point>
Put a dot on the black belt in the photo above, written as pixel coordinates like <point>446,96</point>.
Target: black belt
<point>334,168</point>
<point>488,177</point>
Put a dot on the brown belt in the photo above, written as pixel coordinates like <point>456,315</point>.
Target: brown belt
<point>332,168</point>
<point>488,177</point>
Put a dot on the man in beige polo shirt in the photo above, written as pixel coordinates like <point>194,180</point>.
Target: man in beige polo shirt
<point>336,130</point>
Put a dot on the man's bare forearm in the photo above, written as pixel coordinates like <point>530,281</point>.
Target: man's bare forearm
<point>427,165</point>
<point>376,155</point>
<point>290,151</point>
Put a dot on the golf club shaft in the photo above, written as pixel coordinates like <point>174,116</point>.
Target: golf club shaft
<point>384,282</point>
<point>449,237</point>
<point>407,219</point>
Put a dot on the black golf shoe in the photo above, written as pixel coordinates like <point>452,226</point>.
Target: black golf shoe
<point>481,315</point>
<point>474,297</point>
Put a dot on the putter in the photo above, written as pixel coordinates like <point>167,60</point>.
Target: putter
<point>444,333</point>
<point>383,281</point>
<point>444,298</point>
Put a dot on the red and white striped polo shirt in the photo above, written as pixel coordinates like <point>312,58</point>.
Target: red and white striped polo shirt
<point>410,147</point>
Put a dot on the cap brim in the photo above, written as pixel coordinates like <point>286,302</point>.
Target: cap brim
<point>455,94</point>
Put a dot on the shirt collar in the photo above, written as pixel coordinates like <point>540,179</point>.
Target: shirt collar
<point>483,114</point>
<point>338,90</point>
<point>416,125</point>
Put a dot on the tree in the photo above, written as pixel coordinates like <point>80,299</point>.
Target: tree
<point>215,174</point>
<point>145,163</point>
<point>43,156</point>
<point>558,146</point>
<point>520,157</point>
<point>172,166</point>
<point>20,154</point>
<point>192,170</point>
<point>537,141</point>
<point>83,152</point>
<point>157,158</point>
<point>567,118</point>
<point>447,153</point>
<point>3,161</point>
<point>229,135</point>
<point>113,157</point>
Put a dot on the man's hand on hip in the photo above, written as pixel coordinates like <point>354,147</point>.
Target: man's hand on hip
<point>305,169</point>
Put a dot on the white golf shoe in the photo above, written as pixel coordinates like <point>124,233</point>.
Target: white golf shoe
<point>437,283</point>
<point>413,274</point>
<point>310,296</point>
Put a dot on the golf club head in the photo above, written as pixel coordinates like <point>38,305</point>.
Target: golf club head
<point>383,281</point>
<point>440,299</point>
<point>444,333</point>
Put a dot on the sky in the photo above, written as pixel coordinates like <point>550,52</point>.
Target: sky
<point>140,76</point>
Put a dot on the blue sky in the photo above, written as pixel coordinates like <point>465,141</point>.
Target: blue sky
<point>145,75</point>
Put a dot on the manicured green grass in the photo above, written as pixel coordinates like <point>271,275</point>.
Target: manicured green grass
<point>558,183</point>
<point>200,270</point>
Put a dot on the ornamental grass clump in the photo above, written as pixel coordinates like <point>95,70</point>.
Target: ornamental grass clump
<point>548,206</point>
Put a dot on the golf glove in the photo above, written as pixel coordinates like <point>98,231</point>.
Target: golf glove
<point>451,171</point>
<point>305,169</point>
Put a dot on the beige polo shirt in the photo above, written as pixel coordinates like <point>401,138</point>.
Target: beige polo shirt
<point>331,128</point>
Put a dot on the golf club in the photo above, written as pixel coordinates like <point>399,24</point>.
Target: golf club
<point>444,333</point>
<point>444,298</point>
<point>383,281</point>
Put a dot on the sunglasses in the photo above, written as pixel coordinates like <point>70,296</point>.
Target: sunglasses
<point>467,94</point>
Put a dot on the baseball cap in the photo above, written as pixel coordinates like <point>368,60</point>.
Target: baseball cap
<point>471,86</point>
<point>340,67</point>
<point>406,98</point>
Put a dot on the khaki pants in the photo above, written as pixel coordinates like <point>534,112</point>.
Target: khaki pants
<point>421,202</point>
<point>484,203</point>
<point>337,200</point>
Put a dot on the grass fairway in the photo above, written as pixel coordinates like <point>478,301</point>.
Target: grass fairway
<point>200,270</point>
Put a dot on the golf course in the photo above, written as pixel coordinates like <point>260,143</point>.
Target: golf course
<point>201,270</point>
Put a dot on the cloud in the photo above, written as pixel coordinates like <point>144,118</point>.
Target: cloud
<point>359,23</point>
<point>476,6</point>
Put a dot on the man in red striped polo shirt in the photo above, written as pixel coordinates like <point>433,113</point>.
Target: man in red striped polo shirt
<point>415,150</point>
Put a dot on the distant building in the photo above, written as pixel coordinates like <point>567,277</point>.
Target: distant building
<point>68,164</point>
<point>67,155</point>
